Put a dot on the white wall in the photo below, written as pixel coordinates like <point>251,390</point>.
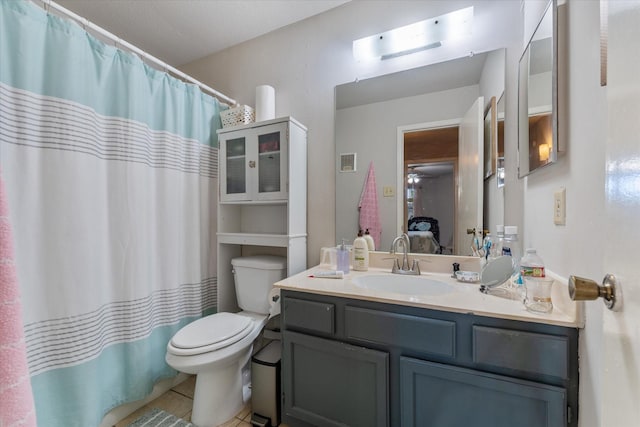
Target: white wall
<point>305,61</point>
<point>574,248</point>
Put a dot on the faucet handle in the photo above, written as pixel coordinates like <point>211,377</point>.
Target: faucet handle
<point>416,266</point>
<point>396,264</point>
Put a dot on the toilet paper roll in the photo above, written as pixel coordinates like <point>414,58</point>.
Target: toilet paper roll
<point>265,103</point>
<point>274,302</point>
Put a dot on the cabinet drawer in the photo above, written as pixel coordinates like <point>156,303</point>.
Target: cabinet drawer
<point>309,315</point>
<point>426,335</point>
<point>521,351</point>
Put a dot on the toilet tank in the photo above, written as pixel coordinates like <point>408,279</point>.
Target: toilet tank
<point>254,277</point>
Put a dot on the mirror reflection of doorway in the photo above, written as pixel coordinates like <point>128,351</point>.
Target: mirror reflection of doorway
<point>430,160</point>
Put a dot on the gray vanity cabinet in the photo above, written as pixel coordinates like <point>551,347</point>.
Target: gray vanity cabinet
<point>360,363</point>
<point>331,383</point>
<point>437,395</point>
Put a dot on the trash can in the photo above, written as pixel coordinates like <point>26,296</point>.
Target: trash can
<point>265,385</point>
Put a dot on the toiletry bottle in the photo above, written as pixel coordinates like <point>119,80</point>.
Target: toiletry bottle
<point>342,258</point>
<point>370,243</point>
<point>360,253</point>
<point>511,247</point>
<point>498,241</point>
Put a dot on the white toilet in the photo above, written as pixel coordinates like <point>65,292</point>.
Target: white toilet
<point>216,347</point>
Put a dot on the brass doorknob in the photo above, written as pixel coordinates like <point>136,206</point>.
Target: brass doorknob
<point>581,289</point>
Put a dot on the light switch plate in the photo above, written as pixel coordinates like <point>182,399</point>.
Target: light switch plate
<point>560,207</point>
<point>387,191</point>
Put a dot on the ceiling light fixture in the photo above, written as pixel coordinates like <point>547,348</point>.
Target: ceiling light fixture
<point>413,178</point>
<point>415,37</point>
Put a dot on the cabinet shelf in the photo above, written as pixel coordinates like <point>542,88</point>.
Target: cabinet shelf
<point>255,202</point>
<point>258,239</point>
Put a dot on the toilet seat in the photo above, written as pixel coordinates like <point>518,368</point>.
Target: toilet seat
<point>210,333</point>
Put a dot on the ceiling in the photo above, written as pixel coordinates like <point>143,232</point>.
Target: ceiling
<point>181,31</point>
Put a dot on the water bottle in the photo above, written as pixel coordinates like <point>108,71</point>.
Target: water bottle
<point>531,265</point>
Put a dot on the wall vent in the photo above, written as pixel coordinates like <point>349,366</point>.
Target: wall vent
<point>347,162</point>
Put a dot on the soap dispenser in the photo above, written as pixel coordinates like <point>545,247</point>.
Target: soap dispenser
<point>360,253</point>
<point>371,245</point>
<point>342,258</point>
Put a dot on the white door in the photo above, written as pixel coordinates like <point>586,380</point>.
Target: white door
<point>620,392</point>
<point>470,177</point>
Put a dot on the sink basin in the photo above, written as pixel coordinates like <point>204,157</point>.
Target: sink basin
<point>407,285</point>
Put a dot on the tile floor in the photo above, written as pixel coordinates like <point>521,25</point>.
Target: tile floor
<point>179,402</point>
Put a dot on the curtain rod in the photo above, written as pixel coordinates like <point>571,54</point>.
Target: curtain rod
<point>119,42</point>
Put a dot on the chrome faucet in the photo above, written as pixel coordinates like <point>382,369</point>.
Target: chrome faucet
<point>404,241</point>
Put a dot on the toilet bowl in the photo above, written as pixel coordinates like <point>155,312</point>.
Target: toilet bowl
<point>215,348</point>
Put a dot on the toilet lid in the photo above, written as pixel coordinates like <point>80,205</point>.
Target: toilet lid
<point>212,332</point>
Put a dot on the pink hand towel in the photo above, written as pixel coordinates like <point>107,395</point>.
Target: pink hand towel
<point>16,398</point>
<point>369,214</point>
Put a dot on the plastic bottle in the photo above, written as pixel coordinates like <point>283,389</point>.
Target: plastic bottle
<point>342,258</point>
<point>511,247</point>
<point>360,253</point>
<point>497,243</point>
<point>370,243</point>
<point>531,265</point>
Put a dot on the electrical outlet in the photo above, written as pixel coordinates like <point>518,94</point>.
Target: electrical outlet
<point>388,191</point>
<point>560,207</point>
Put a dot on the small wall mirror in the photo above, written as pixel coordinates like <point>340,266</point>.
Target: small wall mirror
<point>538,97</point>
<point>490,138</point>
<point>500,170</point>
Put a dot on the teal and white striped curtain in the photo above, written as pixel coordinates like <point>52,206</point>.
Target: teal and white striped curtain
<point>111,175</point>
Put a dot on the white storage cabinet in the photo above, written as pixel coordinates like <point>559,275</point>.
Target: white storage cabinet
<point>263,197</point>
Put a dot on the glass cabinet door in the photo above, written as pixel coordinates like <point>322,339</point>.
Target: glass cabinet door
<point>271,147</point>
<point>269,162</point>
<point>235,159</point>
<point>253,164</point>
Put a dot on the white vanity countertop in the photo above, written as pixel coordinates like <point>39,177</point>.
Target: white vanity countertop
<point>466,297</point>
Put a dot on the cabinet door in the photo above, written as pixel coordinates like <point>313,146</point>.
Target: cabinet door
<point>329,383</point>
<point>437,395</point>
<point>234,167</point>
<point>271,162</point>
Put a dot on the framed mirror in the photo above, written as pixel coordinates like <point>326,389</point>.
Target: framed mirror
<point>378,118</point>
<point>500,169</point>
<point>538,96</point>
<point>490,138</point>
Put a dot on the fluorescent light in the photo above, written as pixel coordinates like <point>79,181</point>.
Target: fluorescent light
<point>415,37</point>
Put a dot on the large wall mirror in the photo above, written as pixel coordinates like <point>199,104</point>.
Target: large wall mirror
<point>538,96</point>
<point>409,126</point>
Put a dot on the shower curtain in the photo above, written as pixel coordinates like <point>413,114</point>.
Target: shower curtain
<point>110,168</point>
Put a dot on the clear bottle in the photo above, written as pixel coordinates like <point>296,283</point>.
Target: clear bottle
<point>531,265</point>
<point>360,253</point>
<point>498,241</point>
<point>511,247</point>
<point>342,258</point>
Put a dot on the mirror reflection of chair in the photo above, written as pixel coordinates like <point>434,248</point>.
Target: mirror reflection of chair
<point>424,233</point>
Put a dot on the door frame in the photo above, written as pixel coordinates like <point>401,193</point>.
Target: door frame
<point>400,166</point>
